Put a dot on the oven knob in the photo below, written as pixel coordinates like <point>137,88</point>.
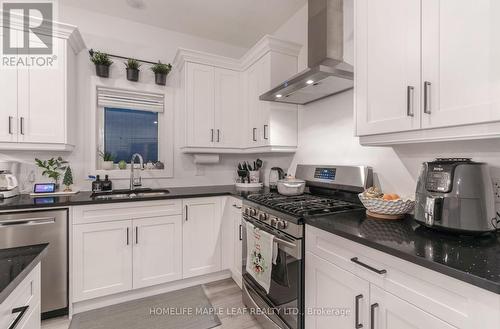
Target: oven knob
<point>281,224</point>
<point>253,212</point>
<point>263,217</point>
<point>273,222</point>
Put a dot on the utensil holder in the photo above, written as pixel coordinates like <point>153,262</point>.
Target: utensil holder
<point>254,176</point>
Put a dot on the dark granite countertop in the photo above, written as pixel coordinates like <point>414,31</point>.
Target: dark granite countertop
<point>16,264</point>
<point>25,201</point>
<point>475,260</point>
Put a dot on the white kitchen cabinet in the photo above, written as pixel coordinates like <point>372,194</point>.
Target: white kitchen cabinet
<point>328,288</point>
<point>157,251</point>
<point>238,243</point>
<point>102,259</point>
<point>228,116</point>
<point>41,115</point>
<point>201,236</point>
<point>270,123</point>
<point>26,294</point>
<point>199,105</point>
<point>426,70</point>
<point>460,48</point>
<point>8,110</point>
<point>391,312</point>
<point>219,99</point>
<point>232,240</point>
<point>387,74</point>
<point>404,295</point>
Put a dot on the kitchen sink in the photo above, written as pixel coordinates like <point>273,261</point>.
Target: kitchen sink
<point>130,194</point>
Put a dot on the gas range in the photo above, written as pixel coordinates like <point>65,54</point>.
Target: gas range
<point>331,190</point>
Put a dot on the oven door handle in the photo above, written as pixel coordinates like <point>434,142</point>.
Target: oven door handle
<point>284,242</point>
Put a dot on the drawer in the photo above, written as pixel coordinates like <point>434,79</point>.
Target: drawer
<point>27,293</point>
<point>445,297</point>
<point>125,210</point>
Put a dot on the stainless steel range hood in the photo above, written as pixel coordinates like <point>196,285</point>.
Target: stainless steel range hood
<point>327,73</point>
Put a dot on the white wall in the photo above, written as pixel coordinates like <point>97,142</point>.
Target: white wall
<point>126,38</point>
<point>326,131</point>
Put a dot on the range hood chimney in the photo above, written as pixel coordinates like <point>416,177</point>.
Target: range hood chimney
<point>327,73</point>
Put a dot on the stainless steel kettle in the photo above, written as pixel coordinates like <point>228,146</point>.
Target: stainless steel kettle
<point>275,175</point>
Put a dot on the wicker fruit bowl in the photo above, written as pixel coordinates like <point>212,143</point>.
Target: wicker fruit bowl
<point>386,206</point>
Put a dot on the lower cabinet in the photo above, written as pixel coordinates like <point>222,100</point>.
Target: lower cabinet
<point>102,259</point>
<point>391,312</point>
<point>334,298</point>
<point>201,236</point>
<point>157,250</point>
<point>117,256</point>
<point>232,239</point>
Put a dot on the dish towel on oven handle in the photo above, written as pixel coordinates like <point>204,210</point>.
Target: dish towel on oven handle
<point>260,255</point>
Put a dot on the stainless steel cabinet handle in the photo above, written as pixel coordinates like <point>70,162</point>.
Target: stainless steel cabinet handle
<point>372,315</point>
<point>137,235</point>
<point>21,310</point>
<point>28,222</point>
<point>236,206</point>
<point>266,127</point>
<point>241,232</point>
<point>212,135</point>
<point>356,260</point>
<point>10,125</point>
<point>357,325</point>
<point>427,97</point>
<point>254,132</point>
<point>218,135</point>
<point>409,101</point>
<point>22,126</point>
<point>186,211</point>
<point>128,236</point>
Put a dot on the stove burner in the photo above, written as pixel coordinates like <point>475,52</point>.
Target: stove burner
<point>303,205</point>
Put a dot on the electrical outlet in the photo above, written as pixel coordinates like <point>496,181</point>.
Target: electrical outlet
<point>496,189</point>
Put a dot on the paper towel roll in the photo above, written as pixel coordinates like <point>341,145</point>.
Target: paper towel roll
<point>206,158</point>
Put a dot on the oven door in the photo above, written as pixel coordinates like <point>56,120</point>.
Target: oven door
<point>282,307</point>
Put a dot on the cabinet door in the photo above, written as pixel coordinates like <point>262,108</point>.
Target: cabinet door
<point>460,66</point>
<point>254,111</point>
<point>228,114</point>
<point>329,288</point>
<point>157,253</point>
<point>201,243</point>
<point>200,105</point>
<point>102,259</point>
<point>42,100</point>
<point>387,75</point>
<point>8,95</point>
<point>238,243</point>
<point>390,312</point>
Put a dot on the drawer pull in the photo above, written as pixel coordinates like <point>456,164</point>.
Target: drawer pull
<point>21,310</point>
<point>357,325</point>
<point>356,260</point>
<point>241,233</point>
<point>236,206</point>
<point>372,315</point>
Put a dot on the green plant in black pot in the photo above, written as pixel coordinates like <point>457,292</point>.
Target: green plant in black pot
<point>102,63</point>
<point>132,66</point>
<point>161,71</point>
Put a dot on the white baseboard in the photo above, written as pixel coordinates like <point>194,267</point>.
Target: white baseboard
<point>92,304</point>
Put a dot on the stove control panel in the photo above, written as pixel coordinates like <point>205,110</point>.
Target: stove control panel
<point>273,221</point>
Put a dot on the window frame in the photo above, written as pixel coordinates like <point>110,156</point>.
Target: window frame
<point>165,129</point>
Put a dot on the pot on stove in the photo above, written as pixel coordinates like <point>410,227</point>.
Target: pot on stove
<point>291,186</point>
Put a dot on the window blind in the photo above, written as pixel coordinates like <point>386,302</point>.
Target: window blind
<point>133,100</point>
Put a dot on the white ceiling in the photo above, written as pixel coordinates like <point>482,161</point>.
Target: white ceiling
<point>236,22</point>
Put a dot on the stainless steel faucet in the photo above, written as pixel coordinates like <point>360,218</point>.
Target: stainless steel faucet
<point>136,182</point>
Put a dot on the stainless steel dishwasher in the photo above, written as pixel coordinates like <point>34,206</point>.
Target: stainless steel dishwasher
<point>36,227</point>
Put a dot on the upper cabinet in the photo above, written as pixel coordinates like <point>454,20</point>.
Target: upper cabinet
<point>218,98</point>
<point>39,115</point>
<point>425,70</point>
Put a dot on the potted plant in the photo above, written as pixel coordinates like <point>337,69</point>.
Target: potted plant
<point>132,66</point>
<point>107,160</point>
<point>122,164</point>
<point>52,167</point>
<point>102,63</point>
<point>68,179</point>
<point>161,70</point>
